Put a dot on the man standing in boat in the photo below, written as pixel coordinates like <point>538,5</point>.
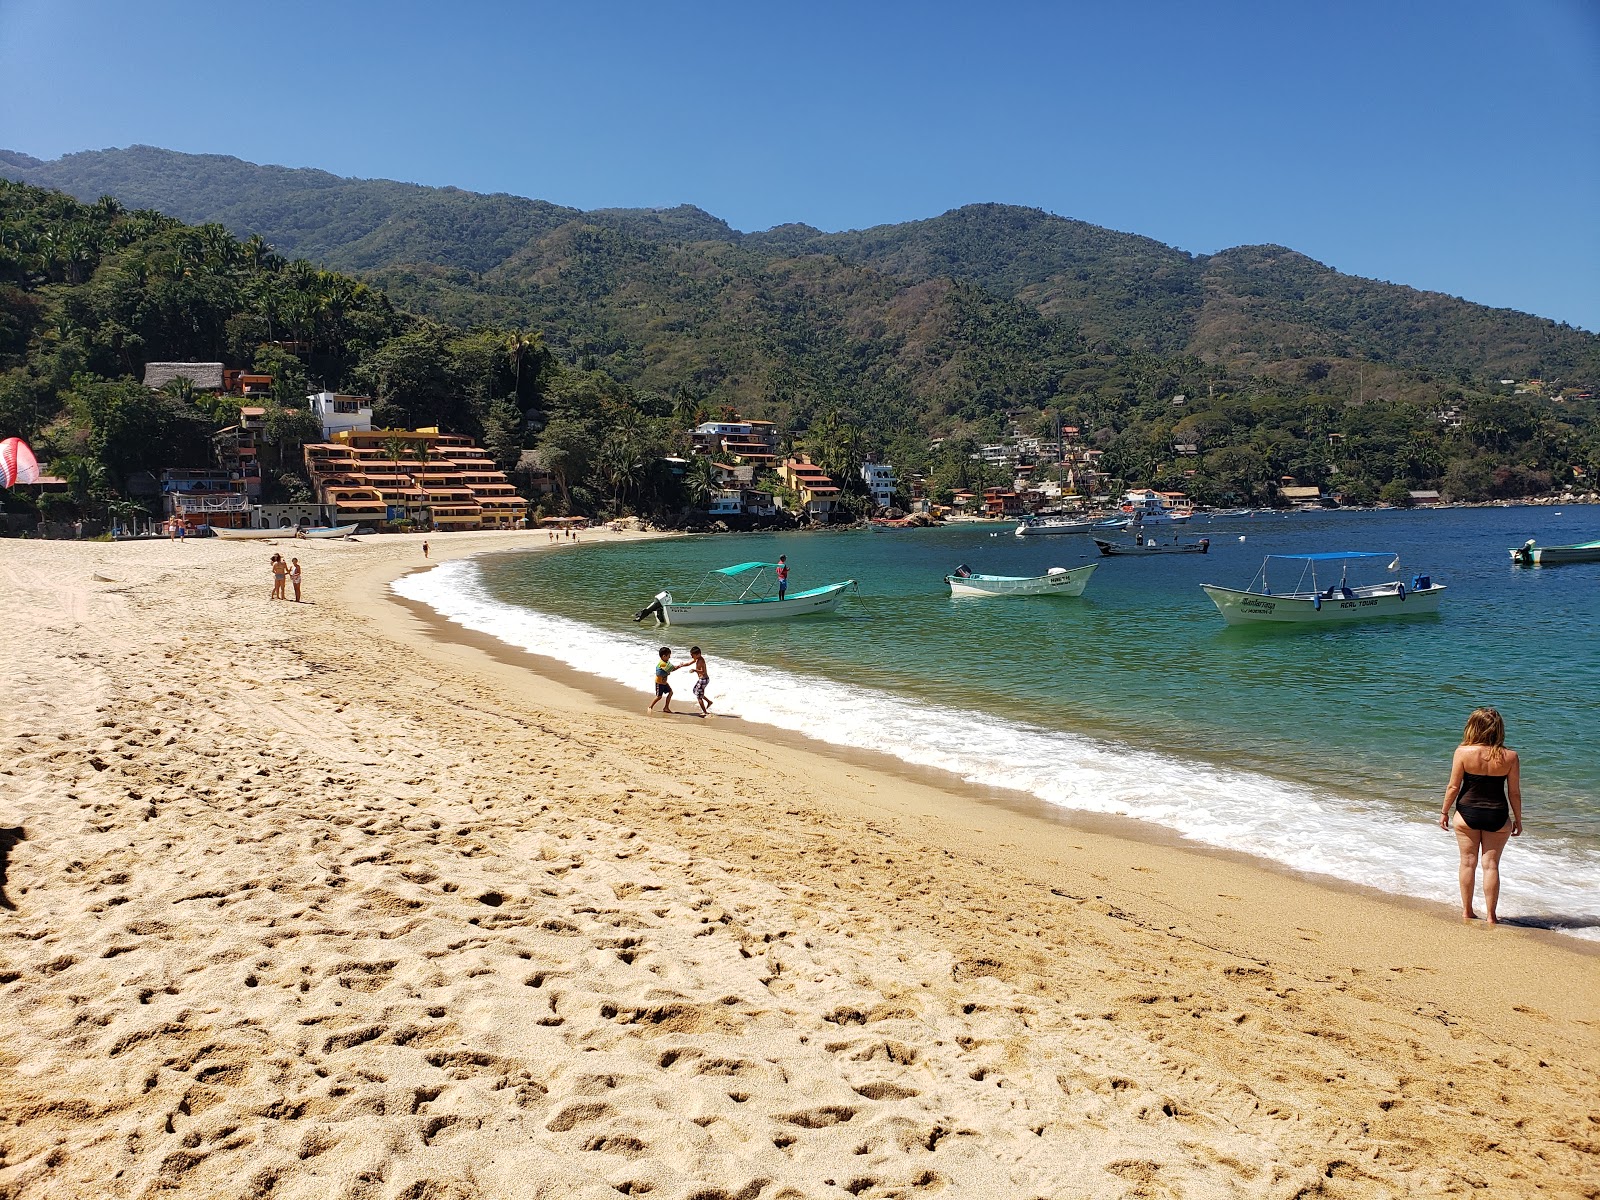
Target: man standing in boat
<point>782,572</point>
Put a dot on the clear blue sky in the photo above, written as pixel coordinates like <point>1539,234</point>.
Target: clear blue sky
<point>1447,144</point>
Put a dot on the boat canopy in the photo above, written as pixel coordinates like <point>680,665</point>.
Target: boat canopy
<point>741,568</point>
<point>1336,555</point>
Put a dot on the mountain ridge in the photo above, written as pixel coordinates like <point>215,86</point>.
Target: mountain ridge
<point>1258,309</point>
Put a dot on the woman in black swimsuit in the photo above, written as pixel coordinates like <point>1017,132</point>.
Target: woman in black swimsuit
<point>1486,792</point>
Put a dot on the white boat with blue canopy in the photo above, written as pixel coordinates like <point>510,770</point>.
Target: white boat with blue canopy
<point>742,592</point>
<point>1322,592</point>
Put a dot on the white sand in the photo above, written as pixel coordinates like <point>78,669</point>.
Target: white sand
<point>310,902</point>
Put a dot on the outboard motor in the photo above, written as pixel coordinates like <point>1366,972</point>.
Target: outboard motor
<point>1205,545</point>
<point>962,572</point>
<point>654,607</point>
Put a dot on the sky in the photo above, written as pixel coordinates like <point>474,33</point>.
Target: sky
<point>1452,145</point>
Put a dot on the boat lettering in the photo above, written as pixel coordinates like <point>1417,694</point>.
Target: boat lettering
<point>1259,605</point>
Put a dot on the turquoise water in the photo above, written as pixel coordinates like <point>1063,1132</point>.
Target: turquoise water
<point>1136,698</point>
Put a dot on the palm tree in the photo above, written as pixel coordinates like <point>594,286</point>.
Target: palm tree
<point>519,348</point>
<point>701,482</point>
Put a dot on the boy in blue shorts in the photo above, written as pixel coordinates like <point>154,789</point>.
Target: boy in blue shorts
<point>702,677</point>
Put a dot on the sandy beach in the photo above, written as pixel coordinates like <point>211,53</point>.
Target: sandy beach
<point>330,900</point>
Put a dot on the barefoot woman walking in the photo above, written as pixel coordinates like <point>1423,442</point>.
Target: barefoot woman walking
<point>1486,790</point>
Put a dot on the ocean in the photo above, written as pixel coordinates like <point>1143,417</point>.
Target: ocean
<point>1324,750</point>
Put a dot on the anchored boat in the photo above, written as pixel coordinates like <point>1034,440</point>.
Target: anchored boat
<point>754,600</point>
<point>1531,555</point>
<point>1057,581</point>
<point>1036,526</point>
<point>1309,602</point>
<point>1149,545</point>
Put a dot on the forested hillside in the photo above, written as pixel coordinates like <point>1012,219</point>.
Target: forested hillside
<point>1258,309</point>
<point>643,319</point>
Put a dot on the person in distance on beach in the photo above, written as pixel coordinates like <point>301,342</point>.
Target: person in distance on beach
<point>782,572</point>
<point>702,677</point>
<point>1486,791</point>
<point>424,549</point>
<point>294,577</point>
<point>664,670</point>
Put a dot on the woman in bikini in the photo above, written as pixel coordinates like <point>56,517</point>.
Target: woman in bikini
<point>1486,792</point>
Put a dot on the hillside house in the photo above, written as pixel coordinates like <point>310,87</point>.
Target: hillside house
<point>818,494</point>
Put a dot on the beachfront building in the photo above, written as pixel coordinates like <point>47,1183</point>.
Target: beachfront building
<point>747,441</point>
<point>205,496</point>
<point>338,413</point>
<point>818,494</point>
<point>381,477</point>
<point>881,483</point>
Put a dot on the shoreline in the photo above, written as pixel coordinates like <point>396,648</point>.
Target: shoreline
<point>621,700</point>
<point>344,899</point>
<point>624,699</point>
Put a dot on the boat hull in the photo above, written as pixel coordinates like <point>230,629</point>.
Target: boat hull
<point>239,535</point>
<point>1554,556</point>
<point>1112,549</point>
<point>1040,529</point>
<point>1253,608</point>
<point>1061,583</point>
<point>769,608</point>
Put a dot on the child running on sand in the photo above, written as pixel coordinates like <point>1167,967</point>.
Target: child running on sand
<point>702,677</point>
<point>664,670</point>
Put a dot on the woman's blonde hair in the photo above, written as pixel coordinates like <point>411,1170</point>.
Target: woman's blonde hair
<point>1485,728</point>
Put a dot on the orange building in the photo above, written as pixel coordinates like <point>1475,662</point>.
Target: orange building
<point>384,476</point>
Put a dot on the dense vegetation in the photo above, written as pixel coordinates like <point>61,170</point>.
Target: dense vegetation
<point>964,327</point>
<point>91,293</point>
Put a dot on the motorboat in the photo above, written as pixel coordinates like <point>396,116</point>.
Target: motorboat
<point>1530,554</point>
<point>1035,526</point>
<point>754,599</point>
<point>287,531</point>
<point>1312,601</point>
<point>1146,508</point>
<point>1148,545</point>
<point>1057,581</point>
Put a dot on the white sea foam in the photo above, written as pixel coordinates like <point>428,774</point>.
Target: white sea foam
<point>1363,842</point>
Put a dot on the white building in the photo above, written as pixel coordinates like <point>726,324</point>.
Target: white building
<point>336,413</point>
<point>881,483</point>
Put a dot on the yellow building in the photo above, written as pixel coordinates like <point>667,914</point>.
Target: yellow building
<point>384,476</point>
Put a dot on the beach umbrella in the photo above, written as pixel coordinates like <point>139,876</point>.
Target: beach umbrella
<point>17,463</point>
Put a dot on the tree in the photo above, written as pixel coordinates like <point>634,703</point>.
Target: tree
<point>566,449</point>
<point>700,481</point>
<point>502,433</point>
<point>1397,494</point>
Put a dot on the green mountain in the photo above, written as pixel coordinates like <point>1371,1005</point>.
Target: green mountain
<point>1258,309</point>
<point>963,326</point>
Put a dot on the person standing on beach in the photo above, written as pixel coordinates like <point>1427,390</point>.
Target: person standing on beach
<point>424,549</point>
<point>702,677</point>
<point>664,670</point>
<point>294,577</point>
<point>782,572</point>
<point>1486,791</point>
<point>280,572</point>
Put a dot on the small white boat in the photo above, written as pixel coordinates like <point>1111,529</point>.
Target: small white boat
<point>1529,554</point>
<point>750,604</point>
<point>287,531</point>
<point>1149,545</point>
<point>1057,581</point>
<point>1038,526</point>
<point>1333,604</point>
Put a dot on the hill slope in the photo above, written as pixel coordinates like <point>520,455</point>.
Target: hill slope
<point>1259,309</point>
